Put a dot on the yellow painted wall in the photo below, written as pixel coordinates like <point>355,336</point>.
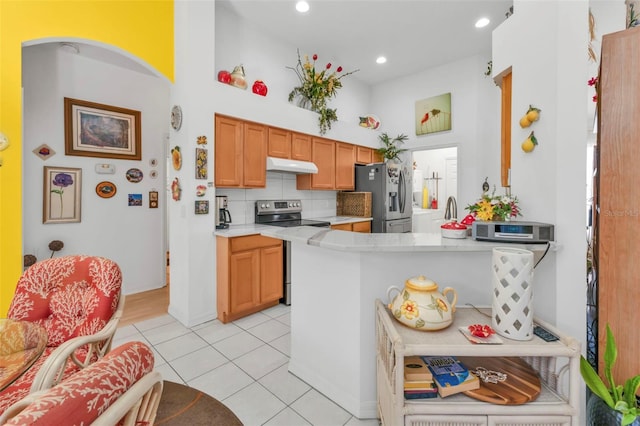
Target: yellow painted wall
<point>142,28</point>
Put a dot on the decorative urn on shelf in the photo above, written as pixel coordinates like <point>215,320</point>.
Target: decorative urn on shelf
<point>421,306</point>
<point>237,77</point>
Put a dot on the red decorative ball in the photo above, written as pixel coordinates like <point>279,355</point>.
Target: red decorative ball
<point>259,88</point>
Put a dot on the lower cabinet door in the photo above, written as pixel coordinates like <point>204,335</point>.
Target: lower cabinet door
<point>245,280</point>
<point>271,286</point>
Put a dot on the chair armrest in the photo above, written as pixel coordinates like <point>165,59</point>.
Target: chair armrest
<point>137,406</point>
<point>17,407</point>
<point>52,370</point>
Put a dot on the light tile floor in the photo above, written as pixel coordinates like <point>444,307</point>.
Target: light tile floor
<point>242,364</point>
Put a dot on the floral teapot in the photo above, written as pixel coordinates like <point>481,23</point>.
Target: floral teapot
<point>421,306</point>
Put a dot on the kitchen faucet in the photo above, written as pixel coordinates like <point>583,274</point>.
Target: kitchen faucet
<point>451,204</point>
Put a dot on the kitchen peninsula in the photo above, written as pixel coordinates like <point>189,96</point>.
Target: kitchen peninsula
<point>338,275</point>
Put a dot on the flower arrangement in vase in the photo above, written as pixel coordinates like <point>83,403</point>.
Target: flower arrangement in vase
<point>316,88</point>
<point>495,207</point>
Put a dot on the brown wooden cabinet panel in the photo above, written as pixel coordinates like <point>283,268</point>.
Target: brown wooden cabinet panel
<point>249,274</point>
<point>364,227</point>
<point>364,155</point>
<point>345,163</point>
<point>617,240</point>
<point>377,157</point>
<point>244,287</point>
<point>342,227</point>
<point>300,147</point>
<point>255,156</point>
<point>323,154</point>
<point>271,282</point>
<point>228,152</point>
<point>279,144</point>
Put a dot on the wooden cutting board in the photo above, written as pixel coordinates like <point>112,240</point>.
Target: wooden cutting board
<point>521,386</point>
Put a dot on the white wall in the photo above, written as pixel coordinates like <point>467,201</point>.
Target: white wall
<point>475,118</point>
<point>132,236</point>
<point>551,74</point>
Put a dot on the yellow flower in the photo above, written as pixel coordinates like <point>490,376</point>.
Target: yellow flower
<point>485,210</point>
<point>409,309</point>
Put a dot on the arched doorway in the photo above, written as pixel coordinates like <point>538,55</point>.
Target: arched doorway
<point>131,233</point>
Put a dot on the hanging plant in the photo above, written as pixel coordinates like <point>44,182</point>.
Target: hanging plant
<point>316,88</point>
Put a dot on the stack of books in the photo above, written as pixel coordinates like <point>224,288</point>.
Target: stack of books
<point>418,380</point>
<point>450,375</point>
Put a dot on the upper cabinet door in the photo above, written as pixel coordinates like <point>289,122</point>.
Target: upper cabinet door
<point>323,154</point>
<point>345,163</point>
<point>279,144</point>
<point>364,155</point>
<point>300,147</point>
<point>255,155</point>
<point>228,152</point>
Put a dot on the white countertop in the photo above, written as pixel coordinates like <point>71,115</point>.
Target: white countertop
<point>406,242</point>
<point>363,242</point>
<point>253,228</point>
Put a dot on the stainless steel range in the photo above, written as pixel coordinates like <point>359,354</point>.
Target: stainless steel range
<point>284,213</point>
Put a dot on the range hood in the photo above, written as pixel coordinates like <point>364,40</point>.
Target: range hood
<point>291,166</point>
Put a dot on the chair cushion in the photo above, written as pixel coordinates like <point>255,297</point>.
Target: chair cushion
<point>82,397</point>
<point>22,386</point>
<point>69,296</point>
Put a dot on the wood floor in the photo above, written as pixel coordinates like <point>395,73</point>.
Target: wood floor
<point>146,305</point>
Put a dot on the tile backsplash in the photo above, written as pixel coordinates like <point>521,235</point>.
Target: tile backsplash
<point>241,202</point>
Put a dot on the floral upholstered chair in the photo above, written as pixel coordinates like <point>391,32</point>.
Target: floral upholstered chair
<point>77,300</point>
<point>121,388</point>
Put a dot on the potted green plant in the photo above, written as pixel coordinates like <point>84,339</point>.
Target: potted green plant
<point>390,149</point>
<point>616,397</point>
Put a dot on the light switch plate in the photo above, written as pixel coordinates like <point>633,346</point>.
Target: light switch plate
<point>105,169</point>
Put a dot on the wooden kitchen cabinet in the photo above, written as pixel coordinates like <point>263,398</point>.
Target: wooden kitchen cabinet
<point>249,273</point>
<point>364,155</point>
<point>300,147</point>
<point>323,154</point>
<point>279,143</point>
<point>240,153</point>
<point>364,226</point>
<point>345,163</point>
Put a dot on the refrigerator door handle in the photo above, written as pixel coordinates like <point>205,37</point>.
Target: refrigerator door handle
<point>402,190</point>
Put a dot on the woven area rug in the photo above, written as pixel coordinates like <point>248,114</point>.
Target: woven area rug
<point>181,405</point>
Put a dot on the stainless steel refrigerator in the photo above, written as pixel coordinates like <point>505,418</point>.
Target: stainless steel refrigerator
<point>391,188</point>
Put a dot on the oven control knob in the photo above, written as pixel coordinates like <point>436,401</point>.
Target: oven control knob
<point>297,204</point>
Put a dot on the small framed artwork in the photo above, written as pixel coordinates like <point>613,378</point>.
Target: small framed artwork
<point>202,207</point>
<point>153,199</point>
<point>201,163</point>
<point>106,189</point>
<point>44,151</point>
<point>61,195</point>
<point>433,114</point>
<point>98,130</point>
<point>135,200</point>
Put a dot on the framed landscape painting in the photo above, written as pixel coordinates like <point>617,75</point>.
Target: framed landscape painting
<point>61,195</point>
<point>98,130</point>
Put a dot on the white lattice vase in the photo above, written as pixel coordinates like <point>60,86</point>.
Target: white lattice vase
<point>512,308</point>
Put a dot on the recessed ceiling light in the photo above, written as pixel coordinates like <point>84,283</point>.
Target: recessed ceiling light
<point>302,6</point>
<point>482,22</point>
<point>381,60</point>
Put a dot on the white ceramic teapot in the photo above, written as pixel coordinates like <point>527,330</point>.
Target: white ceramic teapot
<point>421,306</point>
